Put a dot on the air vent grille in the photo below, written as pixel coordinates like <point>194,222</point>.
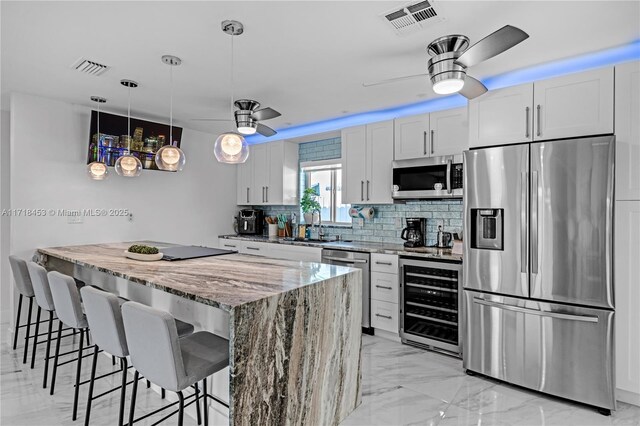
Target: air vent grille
<point>412,17</point>
<point>87,66</point>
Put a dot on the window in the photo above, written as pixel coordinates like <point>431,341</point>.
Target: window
<point>326,177</point>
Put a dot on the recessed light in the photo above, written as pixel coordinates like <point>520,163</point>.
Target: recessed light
<point>345,112</point>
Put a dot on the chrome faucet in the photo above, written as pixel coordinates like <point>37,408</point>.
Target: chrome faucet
<point>320,230</point>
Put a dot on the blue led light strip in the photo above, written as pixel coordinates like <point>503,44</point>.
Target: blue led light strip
<point>616,55</point>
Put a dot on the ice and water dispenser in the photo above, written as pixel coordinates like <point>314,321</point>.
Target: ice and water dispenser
<point>487,226</point>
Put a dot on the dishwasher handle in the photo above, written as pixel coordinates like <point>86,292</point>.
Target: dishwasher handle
<point>340,259</point>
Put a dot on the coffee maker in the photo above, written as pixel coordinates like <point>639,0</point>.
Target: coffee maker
<point>250,222</point>
<point>415,232</point>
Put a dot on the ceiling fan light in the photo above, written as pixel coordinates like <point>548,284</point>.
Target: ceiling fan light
<point>448,86</point>
<point>231,148</point>
<point>247,130</point>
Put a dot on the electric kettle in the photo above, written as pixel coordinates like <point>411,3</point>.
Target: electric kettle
<point>444,238</point>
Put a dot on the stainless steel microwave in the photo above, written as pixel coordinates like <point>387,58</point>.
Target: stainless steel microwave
<point>434,177</point>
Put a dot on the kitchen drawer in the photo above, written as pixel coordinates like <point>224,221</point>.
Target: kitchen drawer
<point>384,287</point>
<point>227,244</point>
<point>387,263</point>
<point>384,315</point>
<point>299,253</point>
<point>256,249</point>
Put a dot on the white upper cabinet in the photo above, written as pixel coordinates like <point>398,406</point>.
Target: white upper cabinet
<point>367,152</point>
<point>501,117</point>
<point>578,104</point>
<point>449,132</point>
<point>574,105</point>
<point>270,175</point>
<point>379,173</point>
<point>411,134</point>
<point>431,135</point>
<point>628,131</point>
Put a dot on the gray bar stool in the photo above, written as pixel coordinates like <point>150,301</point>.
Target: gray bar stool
<point>25,288</point>
<point>169,362</point>
<point>107,329</point>
<point>66,299</point>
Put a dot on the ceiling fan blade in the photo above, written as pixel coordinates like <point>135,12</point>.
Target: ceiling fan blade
<point>265,130</point>
<point>493,44</point>
<point>472,88</point>
<point>209,119</point>
<point>265,114</point>
<point>393,80</point>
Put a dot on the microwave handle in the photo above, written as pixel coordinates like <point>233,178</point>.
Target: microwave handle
<point>449,176</point>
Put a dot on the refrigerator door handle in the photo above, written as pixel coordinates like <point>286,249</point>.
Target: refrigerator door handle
<point>534,224</point>
<point>449,176</point>
<point>523,223</point>
<point>558,315</point>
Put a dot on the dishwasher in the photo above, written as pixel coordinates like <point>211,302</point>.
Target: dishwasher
<point>360,261</point>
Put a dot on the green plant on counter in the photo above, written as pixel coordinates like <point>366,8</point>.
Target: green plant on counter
<point>142,249</point>
<point>308,203</point>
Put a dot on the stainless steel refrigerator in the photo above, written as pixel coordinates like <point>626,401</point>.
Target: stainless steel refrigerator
<point>538,280</point>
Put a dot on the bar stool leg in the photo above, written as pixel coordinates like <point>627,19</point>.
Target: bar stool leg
<point>87,415</point>
<point>78,371</point>
<point>16,326</point>
<point>26,338</point>
<point>132,408</point>
<point>180,409</point>
<point>123,390</point>
<point>205,406</point>
<point>198,415</point>
<point>35,339</point>
<point>55,360</point>
<point>46,357</point>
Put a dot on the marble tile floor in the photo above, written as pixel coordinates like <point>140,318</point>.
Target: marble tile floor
<point>23,401</point>
<point>402,385</point>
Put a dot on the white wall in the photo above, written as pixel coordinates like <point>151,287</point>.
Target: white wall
<point>49,144</point>
<point>5,221</point>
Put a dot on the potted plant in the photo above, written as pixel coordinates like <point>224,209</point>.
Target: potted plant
<point>308,204</point>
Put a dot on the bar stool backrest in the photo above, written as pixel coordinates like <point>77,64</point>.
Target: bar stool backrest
<point>105,320</point>
<point>21,275</point>
<point>67,300</point>
<point>41,286</point>
<point>153,345</point>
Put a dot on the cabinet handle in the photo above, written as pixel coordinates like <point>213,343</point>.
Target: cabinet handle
<point>383,263</point>
<point>247,194</point>
<point>263,194</point>
<point>253,248</point>
<point>229,245</point>
<point>424,138</point>
<point>266,194</point>
<point>361,190</point>
<point>367,190</point>
<point>526,131</point>
<point>432,140</point>
<point>385,287</point>
<point>383,316</point>
<point>538,131</point>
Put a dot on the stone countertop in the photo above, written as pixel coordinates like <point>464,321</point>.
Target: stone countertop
<point>225,281</point>
<point>361,246</point>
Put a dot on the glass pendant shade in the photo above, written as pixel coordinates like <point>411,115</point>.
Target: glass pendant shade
<point>231,148</point>
<point>97,170</point>
<point>128,166</point>
<point>170,158</point>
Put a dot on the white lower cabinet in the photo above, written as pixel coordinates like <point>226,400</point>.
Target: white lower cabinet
<point>627,297</point>
<point>275,251</point>
<point>227,244</point>
<point>384,316</point>
<point>384,287</point>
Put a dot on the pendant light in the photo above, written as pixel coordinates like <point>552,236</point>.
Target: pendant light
<point>170,157</point>
<point>129,165</point>
<point>98,170</point>
<point>231,147</point>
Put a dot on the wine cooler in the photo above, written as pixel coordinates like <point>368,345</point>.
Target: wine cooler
<point>430,309</point>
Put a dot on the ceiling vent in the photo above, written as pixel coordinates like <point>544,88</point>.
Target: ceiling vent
<point>412,17</point>
<point>86,66</point>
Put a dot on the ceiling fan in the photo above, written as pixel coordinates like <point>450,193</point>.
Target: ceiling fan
<point>451,56</point>
<point>247,117</point>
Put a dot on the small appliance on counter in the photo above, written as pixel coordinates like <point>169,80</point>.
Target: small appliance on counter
<point>415,232</point>
<point>250,222</point>
<point>444,238</point>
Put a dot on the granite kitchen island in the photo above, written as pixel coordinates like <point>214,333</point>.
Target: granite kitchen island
<point>294,327</point>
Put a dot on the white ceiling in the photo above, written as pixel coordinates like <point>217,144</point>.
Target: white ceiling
<point>306,59</point>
